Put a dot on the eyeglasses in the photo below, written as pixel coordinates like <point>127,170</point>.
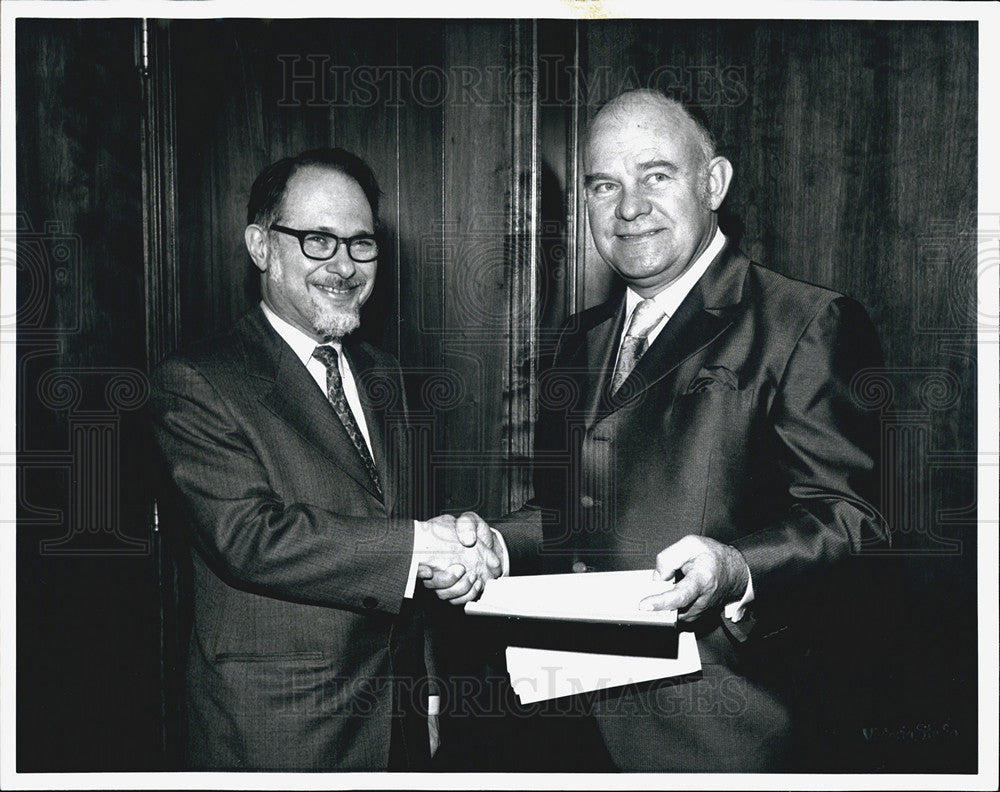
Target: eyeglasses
<point>321,246</point>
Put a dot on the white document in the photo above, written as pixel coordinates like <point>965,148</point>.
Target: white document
<point>590,596</point>
<point>541,674</point>
<point>599,597</point>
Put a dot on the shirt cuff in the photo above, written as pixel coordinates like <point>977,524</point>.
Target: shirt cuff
<point>734,611</point>
<point>411,578</point>
<point>500,548</point>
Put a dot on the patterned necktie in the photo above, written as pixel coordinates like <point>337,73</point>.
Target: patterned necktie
<point>335,392</point>
<point>645,317</point>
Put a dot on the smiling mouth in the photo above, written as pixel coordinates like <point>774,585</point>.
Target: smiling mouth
<point>643,235</point>
<point>338,290</point>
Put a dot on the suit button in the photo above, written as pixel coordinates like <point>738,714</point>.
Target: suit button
<point>580,566</point>
<point>586,501</point>
<point>369,602</point>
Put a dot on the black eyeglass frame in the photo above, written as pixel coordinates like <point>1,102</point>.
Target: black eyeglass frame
<point>348,241</point>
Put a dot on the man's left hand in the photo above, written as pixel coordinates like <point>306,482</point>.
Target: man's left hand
<point>712,574</point>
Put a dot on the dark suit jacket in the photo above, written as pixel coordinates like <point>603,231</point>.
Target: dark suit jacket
<point>738,423</point>
<point>299,626</point>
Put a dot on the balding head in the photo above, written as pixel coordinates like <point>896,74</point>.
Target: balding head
<point>648,101</point>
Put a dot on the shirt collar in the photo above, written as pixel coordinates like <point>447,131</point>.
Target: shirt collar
<point>673,293</point>
<point>301,343</point>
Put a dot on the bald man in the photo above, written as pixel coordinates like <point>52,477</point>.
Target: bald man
<point>713,435</point>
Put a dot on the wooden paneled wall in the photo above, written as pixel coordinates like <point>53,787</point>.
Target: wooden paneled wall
<point>87,682</point>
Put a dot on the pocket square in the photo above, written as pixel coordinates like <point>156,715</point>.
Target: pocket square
<point>714,378</point>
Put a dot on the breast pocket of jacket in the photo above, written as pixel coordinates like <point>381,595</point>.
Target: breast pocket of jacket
<point>709,423</point>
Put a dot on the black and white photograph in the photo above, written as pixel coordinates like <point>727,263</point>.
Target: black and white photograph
<point>568,394</point>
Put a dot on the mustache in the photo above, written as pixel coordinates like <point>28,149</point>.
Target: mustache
<point>342,283</point>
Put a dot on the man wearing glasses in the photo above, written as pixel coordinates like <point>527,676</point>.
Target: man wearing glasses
<point>286,440</point>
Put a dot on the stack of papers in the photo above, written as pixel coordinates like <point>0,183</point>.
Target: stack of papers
<point>592,596</point>
<point>538,674</point>
<point>542,674</point>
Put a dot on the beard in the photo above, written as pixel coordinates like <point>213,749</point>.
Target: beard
<point>333,322</point>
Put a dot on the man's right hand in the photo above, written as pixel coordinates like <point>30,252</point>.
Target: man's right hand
<point>457,556</point>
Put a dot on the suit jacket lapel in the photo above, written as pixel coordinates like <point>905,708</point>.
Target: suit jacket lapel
<point>366,373</point>
<point>707,310</point>
<point>286,388</point>
<point>602,350</point>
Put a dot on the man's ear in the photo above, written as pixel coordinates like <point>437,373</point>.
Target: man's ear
<point>256,241</point>
<point>720,174</point>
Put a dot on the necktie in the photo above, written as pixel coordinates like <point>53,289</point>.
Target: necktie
<point>335,392</point>
<point>645,317</point>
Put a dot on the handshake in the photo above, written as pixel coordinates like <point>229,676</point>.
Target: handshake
<point>456,556</point>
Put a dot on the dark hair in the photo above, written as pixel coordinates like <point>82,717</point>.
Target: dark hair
<point>268,189</point>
